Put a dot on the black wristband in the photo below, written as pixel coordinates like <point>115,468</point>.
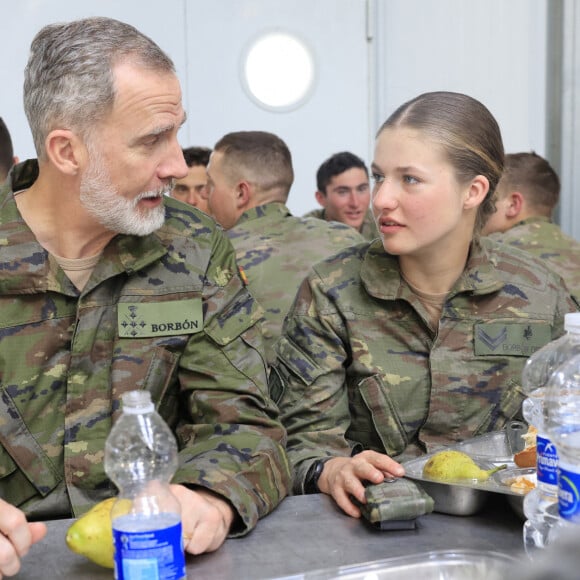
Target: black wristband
<point>313,475</point>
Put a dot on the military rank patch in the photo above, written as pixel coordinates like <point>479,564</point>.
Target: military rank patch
<point>512,339</point>
<point>148,319</point>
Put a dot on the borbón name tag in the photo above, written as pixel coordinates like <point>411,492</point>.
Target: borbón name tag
<point>149,319</point>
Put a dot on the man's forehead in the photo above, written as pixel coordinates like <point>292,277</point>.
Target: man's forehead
<point>348,176</point>
<point>139,85</point>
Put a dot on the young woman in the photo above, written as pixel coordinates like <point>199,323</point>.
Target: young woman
<point>417,339</point>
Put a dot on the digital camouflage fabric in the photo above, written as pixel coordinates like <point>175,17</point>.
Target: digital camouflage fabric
<point>368,229</point>
<point>399,499</point>
<point>166,312</point>
<point>358,367</point>
<point>276,251</point>
<point>541,237</point>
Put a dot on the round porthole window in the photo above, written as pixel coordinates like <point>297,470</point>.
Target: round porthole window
<point>278,71</point>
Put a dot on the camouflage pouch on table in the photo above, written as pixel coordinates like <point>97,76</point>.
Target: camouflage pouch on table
<point>395,504</point>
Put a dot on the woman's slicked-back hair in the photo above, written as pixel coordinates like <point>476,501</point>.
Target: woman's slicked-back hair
<point>68,81</point>
<point>467,132</point>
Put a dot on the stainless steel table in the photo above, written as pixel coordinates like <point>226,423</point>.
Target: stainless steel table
<point>303,533</point>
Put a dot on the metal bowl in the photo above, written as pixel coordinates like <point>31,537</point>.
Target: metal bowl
<point>435,565</point>
<point>465,498</point>
<point>507,478</point>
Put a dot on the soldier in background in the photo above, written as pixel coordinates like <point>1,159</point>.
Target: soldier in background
<point>192,188</point>
<point>526,197</point>
<point>7,158</point>
<point>343,191</point>
<point>250,176</point>
<point>418,339</point>
<point>109,285</point>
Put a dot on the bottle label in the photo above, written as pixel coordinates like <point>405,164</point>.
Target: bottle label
<point>147,554</point>
<point>547,461</point>
<point>569,494</point>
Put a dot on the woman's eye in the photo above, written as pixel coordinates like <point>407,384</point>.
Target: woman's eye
<point>377,177</point>
<point>410,179</point>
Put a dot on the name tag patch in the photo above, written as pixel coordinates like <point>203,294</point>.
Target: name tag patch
<point>496,338</point>
<point>138,319</point>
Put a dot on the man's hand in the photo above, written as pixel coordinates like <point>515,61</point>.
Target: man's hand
<point>342,477</point>
<point>206,519</point>
<point>16,537</point>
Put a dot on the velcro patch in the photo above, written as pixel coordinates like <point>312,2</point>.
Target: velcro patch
<point>147,319</point>
<point>511,339</point>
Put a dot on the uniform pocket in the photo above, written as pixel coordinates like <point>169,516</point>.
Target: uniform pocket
<point>508,408</point>
<point>15,488</point>
<point>161,382</point>
<point>25,470</point>
<point>378,418</point>
<point>276,384</point>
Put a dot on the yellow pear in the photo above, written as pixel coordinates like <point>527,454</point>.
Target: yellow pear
<point>92,534</point>
<point>451,465</point>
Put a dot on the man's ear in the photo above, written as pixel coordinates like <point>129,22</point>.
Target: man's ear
<point>320,198</point>
<point>476,193</point>
<point>243,194</point>
<point>65,150</point>
<point>515,204</point>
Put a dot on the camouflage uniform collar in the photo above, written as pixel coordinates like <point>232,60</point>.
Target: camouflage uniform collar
<point>24,262</point>
<point>267,209</point>
<point>368,228</point>
<point>533,220</point>
<point>21,250</point>
<point>319,214</point>
<point>381,276</point>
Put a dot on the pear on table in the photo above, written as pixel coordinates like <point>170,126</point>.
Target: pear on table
<point>452,465</point>
<point>91,535</point>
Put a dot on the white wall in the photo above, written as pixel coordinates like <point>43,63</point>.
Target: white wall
<point>493,50</point>
<point>570,136</point>
<point>333,119</point>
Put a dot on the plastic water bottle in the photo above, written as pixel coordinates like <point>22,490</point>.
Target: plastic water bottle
<point>541,504</point>
<point>141,458</point>
<point>563,425</point>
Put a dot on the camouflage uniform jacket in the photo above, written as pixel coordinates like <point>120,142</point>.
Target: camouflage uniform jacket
<point>368,229</point>
<point>166,312</point>
<point>541,237</point>
<point>276,250</point>
<point>359,368</point>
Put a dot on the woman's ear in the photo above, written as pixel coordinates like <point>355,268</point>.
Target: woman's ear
<point>65,150</point>
<point>476,192</point>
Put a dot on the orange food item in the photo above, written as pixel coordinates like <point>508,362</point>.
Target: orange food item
<point>526,458</point>
<point>521,484</point>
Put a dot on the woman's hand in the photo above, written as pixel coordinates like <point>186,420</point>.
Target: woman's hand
<point>343,477</point>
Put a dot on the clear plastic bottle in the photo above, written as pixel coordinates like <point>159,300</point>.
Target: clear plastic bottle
<point>563,425</point>
<point>541,504</point>
<point>140,458</point>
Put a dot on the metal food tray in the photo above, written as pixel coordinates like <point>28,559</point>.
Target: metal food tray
<point>435,565</point>
<point>467,497</point>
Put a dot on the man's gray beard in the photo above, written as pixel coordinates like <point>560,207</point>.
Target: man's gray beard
<point>113,211</point>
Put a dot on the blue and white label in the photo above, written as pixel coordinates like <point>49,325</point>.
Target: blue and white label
<point>569,494</point>
<point>148,548</point>
<point>547,461</point>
